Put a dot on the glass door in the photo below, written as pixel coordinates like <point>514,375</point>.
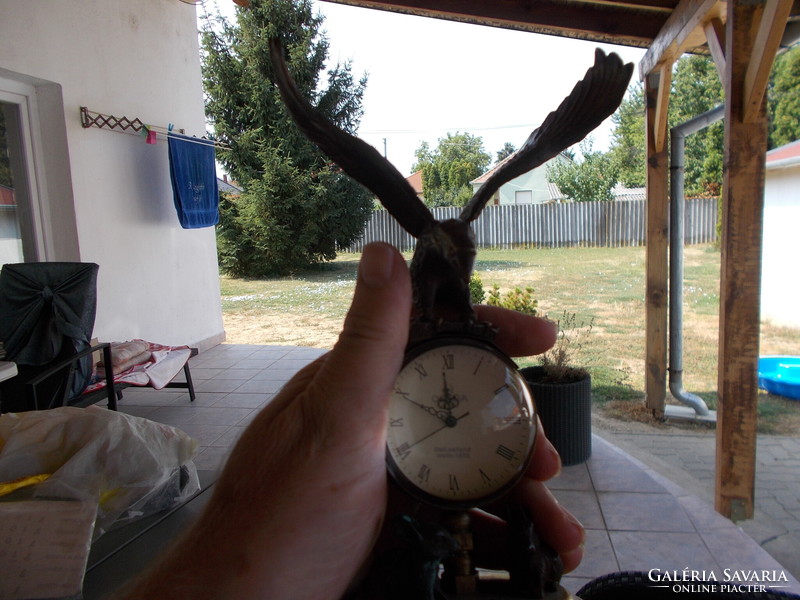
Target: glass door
<point>17,237</point>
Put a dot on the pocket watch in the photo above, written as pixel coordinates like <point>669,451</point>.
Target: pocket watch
<point>462,422</point>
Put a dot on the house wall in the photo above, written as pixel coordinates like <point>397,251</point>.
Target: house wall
<point>535,181</point>
<point>106,197</point>
<point>780,285</point>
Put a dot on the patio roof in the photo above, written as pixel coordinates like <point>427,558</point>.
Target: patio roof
<point>742,37</point>
<point>635,23</point>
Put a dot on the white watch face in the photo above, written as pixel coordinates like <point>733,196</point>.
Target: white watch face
<point>461,425</point>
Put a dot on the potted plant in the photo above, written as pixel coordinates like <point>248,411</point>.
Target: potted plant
<point>563,392</point>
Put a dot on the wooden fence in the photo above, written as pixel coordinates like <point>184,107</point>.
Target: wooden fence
<point>605,224</point>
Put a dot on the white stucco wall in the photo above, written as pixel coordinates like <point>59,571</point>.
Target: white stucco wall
<point>533,181</point>
<point>780,275</point>
<point>108,194</point>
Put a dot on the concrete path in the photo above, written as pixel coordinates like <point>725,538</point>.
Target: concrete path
<point>688,460</point>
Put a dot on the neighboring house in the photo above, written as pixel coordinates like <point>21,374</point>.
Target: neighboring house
<point>623,194</point>
<point>415,181</point>
<point>780,278</point>
<point>104,196</point>
<point>529,188</point>
<point>228,186</point>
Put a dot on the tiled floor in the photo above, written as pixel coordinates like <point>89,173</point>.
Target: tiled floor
<point>635,518</point>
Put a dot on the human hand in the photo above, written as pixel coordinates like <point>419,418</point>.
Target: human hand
<point>301,502</point>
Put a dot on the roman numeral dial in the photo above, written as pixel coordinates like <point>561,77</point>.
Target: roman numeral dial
<point>461,424</point>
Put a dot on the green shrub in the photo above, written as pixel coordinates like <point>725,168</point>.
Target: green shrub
<point>518,299</point>
<point>476,292</point>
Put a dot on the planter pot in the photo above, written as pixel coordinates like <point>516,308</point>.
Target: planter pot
<point>566,413</point>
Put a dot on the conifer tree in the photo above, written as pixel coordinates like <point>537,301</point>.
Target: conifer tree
<point>297,207</point>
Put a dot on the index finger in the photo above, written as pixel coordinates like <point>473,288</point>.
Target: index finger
<point>518,334</point>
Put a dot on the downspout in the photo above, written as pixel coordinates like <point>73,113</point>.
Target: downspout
<point>676,242</point>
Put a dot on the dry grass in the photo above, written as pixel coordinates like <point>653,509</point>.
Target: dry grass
<point>605,285</point>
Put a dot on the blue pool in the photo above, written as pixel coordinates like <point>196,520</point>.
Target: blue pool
<point>780,375</point>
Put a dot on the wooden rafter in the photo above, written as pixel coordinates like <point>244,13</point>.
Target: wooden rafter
<point>662,106</point>
<point>632,22</point>
<point>769,32</point>
<point>715,38</point>
<point>684,30</point>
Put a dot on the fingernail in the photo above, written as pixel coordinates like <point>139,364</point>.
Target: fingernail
<point>377,263</point>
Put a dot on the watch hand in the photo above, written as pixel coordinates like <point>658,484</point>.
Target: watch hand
<point>448,401</point>
<point>450,422</point>
<point>439,414</point>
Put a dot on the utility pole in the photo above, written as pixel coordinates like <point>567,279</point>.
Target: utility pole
<point>384,147</point>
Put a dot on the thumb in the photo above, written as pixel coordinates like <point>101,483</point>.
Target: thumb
<point>360,371</point>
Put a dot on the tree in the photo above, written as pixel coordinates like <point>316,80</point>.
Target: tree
<point>5,162</point>
<point>507,150</point>
<point>628,148</point>
<point>446,172</point>
<point>696,89</point>
<point>297,206</point>
<point>783,97</point>
<point>588,180</point>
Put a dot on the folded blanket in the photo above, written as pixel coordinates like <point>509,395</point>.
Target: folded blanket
<point>124,352</point>
<point>139,359</point>
<point>161,366</point>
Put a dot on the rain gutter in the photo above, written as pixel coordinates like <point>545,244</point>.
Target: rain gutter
<point>678,136</point>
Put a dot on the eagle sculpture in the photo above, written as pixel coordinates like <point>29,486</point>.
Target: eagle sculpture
<point>445,253</point>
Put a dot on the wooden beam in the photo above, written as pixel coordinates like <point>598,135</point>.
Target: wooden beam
<point>740,276</point>
<point>715,38</point>
<point>661,114</point>
<point>682,31</point>
<point>656,100</point>
<point>610,22</point>
<point>769,32</point>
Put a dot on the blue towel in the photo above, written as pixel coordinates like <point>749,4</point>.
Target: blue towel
<point>193,171</point>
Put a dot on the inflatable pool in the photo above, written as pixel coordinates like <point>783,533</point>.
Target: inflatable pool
<point>780,375</point>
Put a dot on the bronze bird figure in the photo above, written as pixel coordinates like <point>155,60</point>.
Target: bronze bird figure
<point>445,251</point>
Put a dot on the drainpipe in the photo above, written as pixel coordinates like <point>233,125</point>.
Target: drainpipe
<point>676,242</point>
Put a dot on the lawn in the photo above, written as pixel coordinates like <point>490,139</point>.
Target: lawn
<point>603,285</point>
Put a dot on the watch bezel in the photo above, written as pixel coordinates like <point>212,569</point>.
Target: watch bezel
<point>408,485</point>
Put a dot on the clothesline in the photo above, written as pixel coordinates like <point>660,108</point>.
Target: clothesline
<point>136,126</point>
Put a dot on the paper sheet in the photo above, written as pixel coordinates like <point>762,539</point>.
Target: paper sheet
<point>44,546</point>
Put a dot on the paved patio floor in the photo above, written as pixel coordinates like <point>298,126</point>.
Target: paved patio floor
<point>635,518</point>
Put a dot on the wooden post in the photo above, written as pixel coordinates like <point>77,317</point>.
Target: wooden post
<point>740,277</point>
<point>657,87</point>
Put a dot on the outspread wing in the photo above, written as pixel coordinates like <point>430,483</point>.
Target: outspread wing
<point>591,101</point>
<point>358,159</point>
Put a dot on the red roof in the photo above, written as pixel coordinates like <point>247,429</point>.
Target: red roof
<point>415,180</point>
<point>790,150</point>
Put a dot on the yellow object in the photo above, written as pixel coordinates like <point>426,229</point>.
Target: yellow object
<point>6,487</point>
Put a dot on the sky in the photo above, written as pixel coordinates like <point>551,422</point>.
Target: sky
<point>428,77</point>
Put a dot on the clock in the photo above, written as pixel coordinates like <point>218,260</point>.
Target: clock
<point>462,423</point>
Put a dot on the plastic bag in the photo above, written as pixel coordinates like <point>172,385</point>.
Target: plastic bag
<point>132,467</point>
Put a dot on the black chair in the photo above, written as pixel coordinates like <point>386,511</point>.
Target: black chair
<point>48,311</point>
